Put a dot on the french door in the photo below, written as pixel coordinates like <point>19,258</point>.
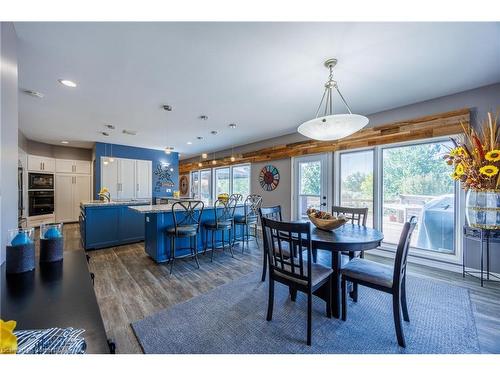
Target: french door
<point>310,186</point>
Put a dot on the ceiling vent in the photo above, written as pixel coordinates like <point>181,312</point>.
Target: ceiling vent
<point>129,132</point>
<point>36,94</point>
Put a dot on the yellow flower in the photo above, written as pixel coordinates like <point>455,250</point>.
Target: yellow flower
<point>104,190</point>
<point>8,341</point>
<point>459,170</point>
<point>457,151</point>
<point>493,155</point>
<point>488,170</point>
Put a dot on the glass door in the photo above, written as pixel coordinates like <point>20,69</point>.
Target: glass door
<point>311,188</point>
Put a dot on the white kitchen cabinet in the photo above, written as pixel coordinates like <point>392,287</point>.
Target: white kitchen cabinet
<point>127,178</point>
<point>72,166</point>
<point>41,164</point>
<point>143,178</point>
<point>70,190</point>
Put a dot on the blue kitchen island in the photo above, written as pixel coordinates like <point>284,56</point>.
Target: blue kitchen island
<point>158,218</point>
<point>106,224</point>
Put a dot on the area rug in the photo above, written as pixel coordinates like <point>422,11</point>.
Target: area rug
<point>232,319</point>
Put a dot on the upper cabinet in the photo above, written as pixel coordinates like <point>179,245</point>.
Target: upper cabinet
<point>127,178</point>
<point>41,164</point>
<point>72,166</point>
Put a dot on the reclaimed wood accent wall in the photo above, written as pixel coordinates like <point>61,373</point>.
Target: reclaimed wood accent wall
<point>436,125</point>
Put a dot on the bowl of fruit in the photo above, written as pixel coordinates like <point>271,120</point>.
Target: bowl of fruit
<point>324,220</point>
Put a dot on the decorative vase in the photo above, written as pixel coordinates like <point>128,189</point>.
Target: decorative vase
<point>51,242</point>
<point>483,209</point>
<point>20,251</point>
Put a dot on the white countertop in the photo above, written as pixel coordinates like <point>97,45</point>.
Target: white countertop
<point>158,208</point>
<point>98,203</point>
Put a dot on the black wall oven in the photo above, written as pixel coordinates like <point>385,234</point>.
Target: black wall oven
<point>40,181</point>
<point>41,202</point>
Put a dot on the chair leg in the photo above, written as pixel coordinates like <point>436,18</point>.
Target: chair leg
<point>344,298</point>
<point>293,294</point>
<point>213,247</point>
<point>404,306</point>
<point>172,253</point>
<point>195,249</point>
<point>309,317</point>
<point>329,298</point>
<point>315,255</point>
<point>264,266</point>
<point>230,246</point>
<point>205,243</point>
<point>354,293</point>
<point>255,236</point>
<point>396,310</point>
<point>362,254</point>
<point>270,301</point>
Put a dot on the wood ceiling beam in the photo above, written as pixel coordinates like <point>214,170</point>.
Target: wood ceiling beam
<point>436,125</point>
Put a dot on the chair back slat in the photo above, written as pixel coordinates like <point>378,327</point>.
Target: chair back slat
<point>357,215</point>
<point>273,213</point>
<point>187,213</point>
<point>295,235</point>
<point>252,205</point>
<point>236,196</point>
<point>402,251</point>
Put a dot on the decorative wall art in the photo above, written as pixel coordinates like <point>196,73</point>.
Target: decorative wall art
<point>184,185</point>
<point>164,177</point>
<point>269,178</point>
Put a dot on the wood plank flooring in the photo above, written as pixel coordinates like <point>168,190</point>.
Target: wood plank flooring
<point>130,286</point>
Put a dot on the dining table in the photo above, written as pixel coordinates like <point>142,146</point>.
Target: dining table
<point>350,238</point>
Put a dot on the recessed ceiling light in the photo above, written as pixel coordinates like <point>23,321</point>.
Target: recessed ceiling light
<point>204,117</point>
<point>232,126</point>
<point>214,132</point>
<point>67,82</point>
<point>129,132</point>
<point>189,142</point>
<point>204,156</point>
<point>109,126</point>
<point>199,138</point>
<point>105,134</point>
<point>64,142</point>
<point>34,93</point>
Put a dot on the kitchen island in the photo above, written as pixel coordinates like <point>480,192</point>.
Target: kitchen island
<point>105,224</point>
<point>159,217</point>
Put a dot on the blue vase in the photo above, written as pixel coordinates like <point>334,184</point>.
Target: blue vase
<point>20,239</point>
<point>52,233</point>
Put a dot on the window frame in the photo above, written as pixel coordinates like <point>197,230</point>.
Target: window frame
<point>459,196</point>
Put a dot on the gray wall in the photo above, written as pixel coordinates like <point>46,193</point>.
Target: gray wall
<point>282,194</point>
<point>8,133</point>
<point>54,151</point>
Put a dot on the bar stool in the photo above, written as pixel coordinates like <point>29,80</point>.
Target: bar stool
<point>187,217</point>
<point>223,221</point>
<point>247,220</point>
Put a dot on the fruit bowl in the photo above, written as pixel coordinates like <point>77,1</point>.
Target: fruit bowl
<point>324,220</point>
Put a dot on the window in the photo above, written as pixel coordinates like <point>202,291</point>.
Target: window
<point>356,181</point>
<point>222,181</point>
<point>195,184</point>
<point>416,182</point>
<point>241,180</point>
<point>205,185</point>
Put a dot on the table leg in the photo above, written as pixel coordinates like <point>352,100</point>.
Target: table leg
<point>336,284</point>
<point>482,248</point>
<point>488,255</point>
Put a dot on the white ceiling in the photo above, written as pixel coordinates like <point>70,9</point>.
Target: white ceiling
<point>265,77</point>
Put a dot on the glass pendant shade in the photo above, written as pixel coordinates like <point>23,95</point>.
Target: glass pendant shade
<point>329,128</point>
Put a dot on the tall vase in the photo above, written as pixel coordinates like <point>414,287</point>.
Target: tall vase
<point>483,209</point>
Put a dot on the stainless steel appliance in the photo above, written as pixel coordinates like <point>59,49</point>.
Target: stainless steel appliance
<point>41,202</point>
<point>40,181</point>
<point>20,197</point>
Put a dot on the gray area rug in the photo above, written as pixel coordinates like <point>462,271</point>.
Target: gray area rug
<point>231,319</point>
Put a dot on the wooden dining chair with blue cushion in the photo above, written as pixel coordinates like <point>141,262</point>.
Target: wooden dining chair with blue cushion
<point>186,216</point>
<point>381,277</point>
<point>248,220</point>
<point>295,272</point>
<point>223,222</point>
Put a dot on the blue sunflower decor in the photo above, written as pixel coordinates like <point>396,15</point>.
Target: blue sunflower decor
<point>269,178</point>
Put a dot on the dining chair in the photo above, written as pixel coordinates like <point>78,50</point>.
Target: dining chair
<point>223,221</point>
<point>236,196</point>
<point>295,272</point>
<point>248,220</point>
<point>187,217</point>
<point>381,277</point>
<point>274,213</point>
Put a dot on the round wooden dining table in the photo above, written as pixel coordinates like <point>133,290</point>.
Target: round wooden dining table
<point>348,238</point>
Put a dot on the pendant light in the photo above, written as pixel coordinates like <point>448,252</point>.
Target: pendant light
<point>329,126</point>
<point>111,158</point>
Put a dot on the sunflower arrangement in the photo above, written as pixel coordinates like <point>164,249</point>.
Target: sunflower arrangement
<point>476,158</point>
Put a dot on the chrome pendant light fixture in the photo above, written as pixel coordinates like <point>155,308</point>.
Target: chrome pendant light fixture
<point>328,126</point>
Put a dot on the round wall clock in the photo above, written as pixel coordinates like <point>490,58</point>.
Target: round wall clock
<point>269,178</point>
<point>184,185</point>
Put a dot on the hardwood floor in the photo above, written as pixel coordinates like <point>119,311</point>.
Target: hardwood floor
<point>130,286</point>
